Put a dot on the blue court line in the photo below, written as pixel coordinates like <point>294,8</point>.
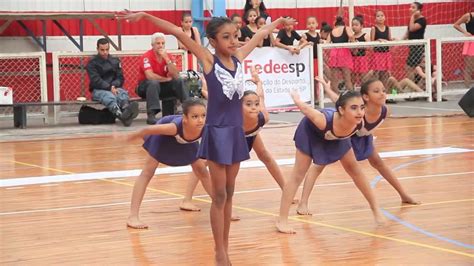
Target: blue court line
<point>417,229</point>
<point>409,225</point>
<point>377,178</point>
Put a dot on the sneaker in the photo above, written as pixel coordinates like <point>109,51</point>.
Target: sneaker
<point>130,110</point>
<point>151,120</point>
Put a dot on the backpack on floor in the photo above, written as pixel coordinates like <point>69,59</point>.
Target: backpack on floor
<point>91,116</point>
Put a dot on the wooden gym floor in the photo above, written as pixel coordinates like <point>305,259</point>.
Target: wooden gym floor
<point>65,201</point>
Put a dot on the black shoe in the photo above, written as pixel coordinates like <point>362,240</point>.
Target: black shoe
<point>130,110</point>
<point>151,120</point>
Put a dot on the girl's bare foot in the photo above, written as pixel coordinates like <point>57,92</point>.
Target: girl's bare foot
<point>284,228</point>
<point>135,223</point>
<point>410,200</point>
<point>379,219</point>
<point>234,218</point>
<point>221,259</point>
<point>189,206</point>
<point>295,201</point>
<point>303,209</point>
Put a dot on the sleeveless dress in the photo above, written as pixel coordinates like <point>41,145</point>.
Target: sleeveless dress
<point>340,57</point>
<point>315,41</point>
<point>322,145</point>
<point>382,56</point>
<point>172,150</point>
<point>223,139</point>
<point>363,140</point>
<point>468,47</point>
<point>250,136</point>
<point>361,63</point>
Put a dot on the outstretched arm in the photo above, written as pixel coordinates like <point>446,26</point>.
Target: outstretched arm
<point>327,89</point>
<point>162,129</point>
<point>461,20</point>
<point>261,94</point>
<point>200,52</point>
<point>316,117</point>
<point>245,50</point>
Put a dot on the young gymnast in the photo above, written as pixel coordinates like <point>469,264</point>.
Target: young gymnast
<point>193,33</point>
<point>255,116</point>
<point>340,59</point>
<point>223,141</point>
<point>267,41</point>
<point>382,58</point>
<point>373,93</point>
<point>172,141</point>
<point>360,72</point>
<point>249,30</point>
<point>324,137</point>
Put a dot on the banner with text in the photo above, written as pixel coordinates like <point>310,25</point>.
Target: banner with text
<point>280,73</point>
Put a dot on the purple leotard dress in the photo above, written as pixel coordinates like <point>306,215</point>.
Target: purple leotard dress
<point>322,145</point>
<point>172,150</point>
<point>223,139</point>
<point>363,141</point>
<point>250,136</point>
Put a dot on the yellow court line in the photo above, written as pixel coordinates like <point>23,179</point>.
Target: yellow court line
<point>42,167</point>
<point>69,150</point>
<point>251,210</point>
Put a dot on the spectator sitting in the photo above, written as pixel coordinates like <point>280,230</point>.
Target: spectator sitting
<point>106,80</point>
<point>159,77</point>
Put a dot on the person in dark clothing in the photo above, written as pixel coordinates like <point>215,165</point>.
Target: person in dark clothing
<point>106,81</point>
<point>259,6</point>
<point>159,78</point>
<point>416,31</point>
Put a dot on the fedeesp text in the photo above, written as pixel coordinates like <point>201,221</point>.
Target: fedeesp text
<point>274,68</point>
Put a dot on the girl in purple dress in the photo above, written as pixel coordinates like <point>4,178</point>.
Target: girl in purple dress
<point>373,93</point>
<point>223,141</point>
<point>255,116</point>
<point>172,141</point>
<point>324,137</point>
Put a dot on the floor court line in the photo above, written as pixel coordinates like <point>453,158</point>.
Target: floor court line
<point>411,226</point>
<point>340,228</point>
<point>8,182</point>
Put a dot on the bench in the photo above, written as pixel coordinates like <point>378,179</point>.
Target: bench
<point>20,109</point>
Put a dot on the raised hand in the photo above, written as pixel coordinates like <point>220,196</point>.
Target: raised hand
<point>295,95</point>
<point>323,81</point>
<point>130,16</point>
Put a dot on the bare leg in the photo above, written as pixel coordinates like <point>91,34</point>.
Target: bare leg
<point>377,163</point>
<point>219,198</point>
<point>346,73</point>
<point>349,163</point>
<point>231,173</point>
<point>302,163</point>
<point>408,83</point>
<point>139,189</point>
<point>187,203</point>
<point>200,173</point>
<point>468,69</point>
<point>334,81</point>
<point>313,173</point>
<point>267,159</point>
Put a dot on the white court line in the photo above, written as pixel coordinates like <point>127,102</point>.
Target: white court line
<point>425,108</point>
<point>206,196</point>
<point>187,169</point>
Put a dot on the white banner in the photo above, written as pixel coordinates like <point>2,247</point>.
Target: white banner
<point>281,72</point>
